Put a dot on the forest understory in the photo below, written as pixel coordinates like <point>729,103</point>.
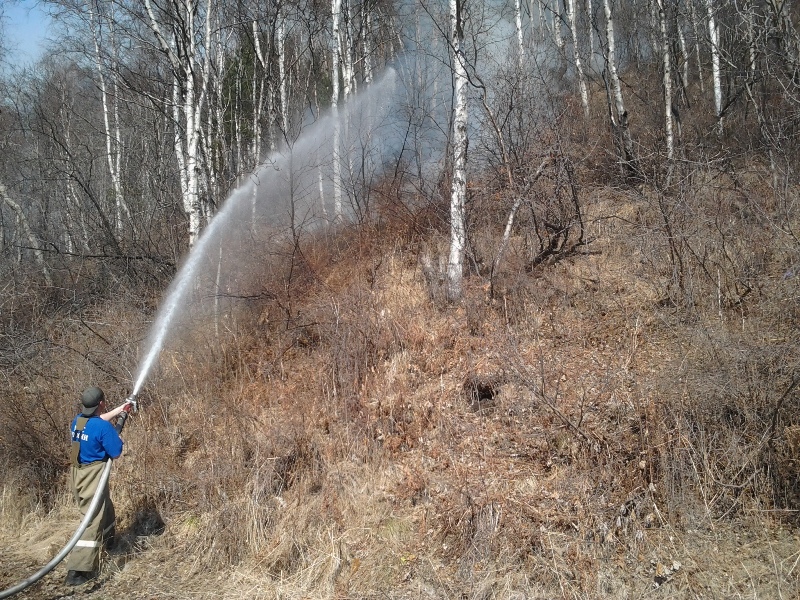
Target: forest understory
<point>587,429</point>
<point>505,306</point>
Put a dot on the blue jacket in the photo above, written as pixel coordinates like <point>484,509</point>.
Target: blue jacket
<point>99,440</point>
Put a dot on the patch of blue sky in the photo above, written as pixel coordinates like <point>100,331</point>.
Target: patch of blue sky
<point>25,26</point>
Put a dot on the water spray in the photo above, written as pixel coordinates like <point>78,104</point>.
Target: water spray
<point>281,177</point>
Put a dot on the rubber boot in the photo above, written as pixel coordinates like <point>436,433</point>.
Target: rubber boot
<point>78,577</point>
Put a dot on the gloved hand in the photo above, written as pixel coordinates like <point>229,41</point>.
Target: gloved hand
<point>134,404</point>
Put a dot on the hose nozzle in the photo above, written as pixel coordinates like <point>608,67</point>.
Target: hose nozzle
<point>129,404</point>
<point>131,400</point>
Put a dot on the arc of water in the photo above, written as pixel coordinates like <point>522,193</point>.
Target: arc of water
<point>182,284</point>
<point>308,147</point>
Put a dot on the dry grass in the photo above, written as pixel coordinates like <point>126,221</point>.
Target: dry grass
<point>600,427</point>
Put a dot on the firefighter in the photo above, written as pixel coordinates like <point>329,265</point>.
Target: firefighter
<point>94,442</point>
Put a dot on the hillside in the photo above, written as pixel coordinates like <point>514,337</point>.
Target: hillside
<point>480,300</point>
<point>619,421</point>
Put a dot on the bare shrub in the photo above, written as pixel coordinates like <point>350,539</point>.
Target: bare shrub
<point>733,427</point>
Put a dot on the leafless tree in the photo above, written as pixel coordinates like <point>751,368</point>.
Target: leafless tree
<point>455,263</point>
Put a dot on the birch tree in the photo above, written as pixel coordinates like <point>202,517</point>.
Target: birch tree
<point>347,51</point>
<point>459,182</point>
<point>518,27</point>
<point>667,81</point>
<point>262,94</point>
<point>696,32</point>
<point>556,21</point>
<point>367,42</point>
<point>336,13</point>
<point>683,67</point>
<point>213,145</point>
<point>187,46</point>
<point>713,34</point>
<point>111,122</point>
<point>544,26</point>
<point>22,219</point>
<point>576,55</point>
<point>283,85</point>
<point>620,122</point>
<point>590,16</point>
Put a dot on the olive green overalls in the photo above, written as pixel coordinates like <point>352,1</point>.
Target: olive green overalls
<point>85,556</point>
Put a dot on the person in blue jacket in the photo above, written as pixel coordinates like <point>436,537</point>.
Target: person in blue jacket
<point>94,442</point>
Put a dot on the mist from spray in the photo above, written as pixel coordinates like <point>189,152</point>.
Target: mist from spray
<point>292,193</point>
<point>396,128</point>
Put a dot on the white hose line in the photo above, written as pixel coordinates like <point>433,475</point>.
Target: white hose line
<point>7,593</point>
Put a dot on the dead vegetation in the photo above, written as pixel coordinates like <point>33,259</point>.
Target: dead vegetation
<point>620,422</point>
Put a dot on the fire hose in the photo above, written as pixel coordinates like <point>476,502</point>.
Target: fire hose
<point>90,512</point>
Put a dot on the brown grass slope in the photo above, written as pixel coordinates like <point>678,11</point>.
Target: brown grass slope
<point>621,422</point>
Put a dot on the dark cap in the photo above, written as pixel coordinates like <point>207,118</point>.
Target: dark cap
<point>91,399</point>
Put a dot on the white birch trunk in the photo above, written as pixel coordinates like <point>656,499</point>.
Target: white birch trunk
<point>520,40</point>
<point>76,220</point>
<point>713,33</point>
<point>350,85</point>
<point>684,66</point>
<point>214,130</point>
<point>367,42</point>
<point>73,196</point>
<point>259,88</point>
<point>616,90</point>
<point>112,134</point>
<point>336,12</point>
<point>69,226</point>
<point>667,81</point>
<point>222,152</point>
<point>556,17</point>
<point>541,8</point>
<point>512,216</point>
<point>320,178</point>
<point>698,54</point>
<point>23,222</point>
<point>573,26</point>
<point>348,68</point>
<point>266,92</point>
<point>751,42</point>
<point>652,30</point>
<point>237,124</point>
<point>257,99</point>
<point>589,10</point>
<point>191,68</point>
<point>81,233</point>
<point>281,50</point>
<point>455,265</point>
<point>616,86</point>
